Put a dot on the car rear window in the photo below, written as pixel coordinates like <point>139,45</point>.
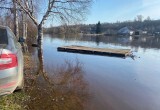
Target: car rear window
<point>3,36</point>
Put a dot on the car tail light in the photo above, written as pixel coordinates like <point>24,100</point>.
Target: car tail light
<point>8,61</point>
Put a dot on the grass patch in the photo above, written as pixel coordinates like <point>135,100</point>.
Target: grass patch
<point>13,101</point>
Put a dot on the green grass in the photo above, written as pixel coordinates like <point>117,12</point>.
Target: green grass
<point>14,101</point>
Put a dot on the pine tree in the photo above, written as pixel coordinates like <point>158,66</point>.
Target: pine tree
<point>98,28</point>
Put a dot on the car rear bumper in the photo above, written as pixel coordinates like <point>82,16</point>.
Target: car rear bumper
<point>8,80</point>
<point>8,88</point>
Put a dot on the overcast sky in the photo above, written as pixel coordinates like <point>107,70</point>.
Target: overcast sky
<point>121,10</point>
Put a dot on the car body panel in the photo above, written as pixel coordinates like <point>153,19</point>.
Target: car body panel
<point>8,72</point>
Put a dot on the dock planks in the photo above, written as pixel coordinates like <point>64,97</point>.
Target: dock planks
<point>96,51</point>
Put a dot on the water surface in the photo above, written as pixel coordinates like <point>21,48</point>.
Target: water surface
<point>114,83</point>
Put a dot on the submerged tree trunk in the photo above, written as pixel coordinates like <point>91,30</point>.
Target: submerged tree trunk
<point>40,46</point>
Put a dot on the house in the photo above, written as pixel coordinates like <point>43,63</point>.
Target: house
<point>125,31</point>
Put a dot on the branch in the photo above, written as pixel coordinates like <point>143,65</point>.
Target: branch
<point>6,8</point>
<point>50,6</point>
<point>27,12</point>
<point>66,1</point>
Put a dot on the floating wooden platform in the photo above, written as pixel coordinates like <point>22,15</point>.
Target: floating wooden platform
<point>96,51</point>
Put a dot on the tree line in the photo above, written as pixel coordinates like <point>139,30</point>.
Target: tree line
<point>149,25</point>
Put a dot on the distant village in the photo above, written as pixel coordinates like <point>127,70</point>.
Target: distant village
<point>131,31</point>
<point>146,27</point>
<point>127,31</point>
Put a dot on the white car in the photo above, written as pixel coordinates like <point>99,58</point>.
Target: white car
<point>11,62</point>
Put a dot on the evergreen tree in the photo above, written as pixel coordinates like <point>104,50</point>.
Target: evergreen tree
<point>98,28</point>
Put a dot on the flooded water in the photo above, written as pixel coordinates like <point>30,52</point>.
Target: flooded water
<point>112,83</point>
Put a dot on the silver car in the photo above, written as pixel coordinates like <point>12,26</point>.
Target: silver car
<point>11,62</point>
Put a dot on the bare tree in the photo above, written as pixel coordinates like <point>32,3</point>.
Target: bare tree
<point>11,13</point>
<point>65,10</point>
<point>140,18</point>
<point>148,18</point>
<point>6,10</point>
<point>15,12</point>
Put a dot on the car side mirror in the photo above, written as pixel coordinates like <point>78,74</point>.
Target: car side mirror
<point>21,40</point>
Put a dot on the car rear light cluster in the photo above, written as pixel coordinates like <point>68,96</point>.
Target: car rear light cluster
<point>8,61</point>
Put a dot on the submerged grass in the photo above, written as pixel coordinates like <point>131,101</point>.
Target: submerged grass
<point>61,88</point>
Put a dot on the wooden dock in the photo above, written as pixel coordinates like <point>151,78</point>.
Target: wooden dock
<point>96,51</point>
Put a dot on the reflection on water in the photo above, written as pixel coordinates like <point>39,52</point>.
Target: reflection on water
<point>63,89</point>
<point>113,83</point>
<point>141,41</point>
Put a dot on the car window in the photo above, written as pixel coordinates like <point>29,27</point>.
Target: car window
<point>13,36</point>
<point>3,36</point>
<point>16,43</point>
